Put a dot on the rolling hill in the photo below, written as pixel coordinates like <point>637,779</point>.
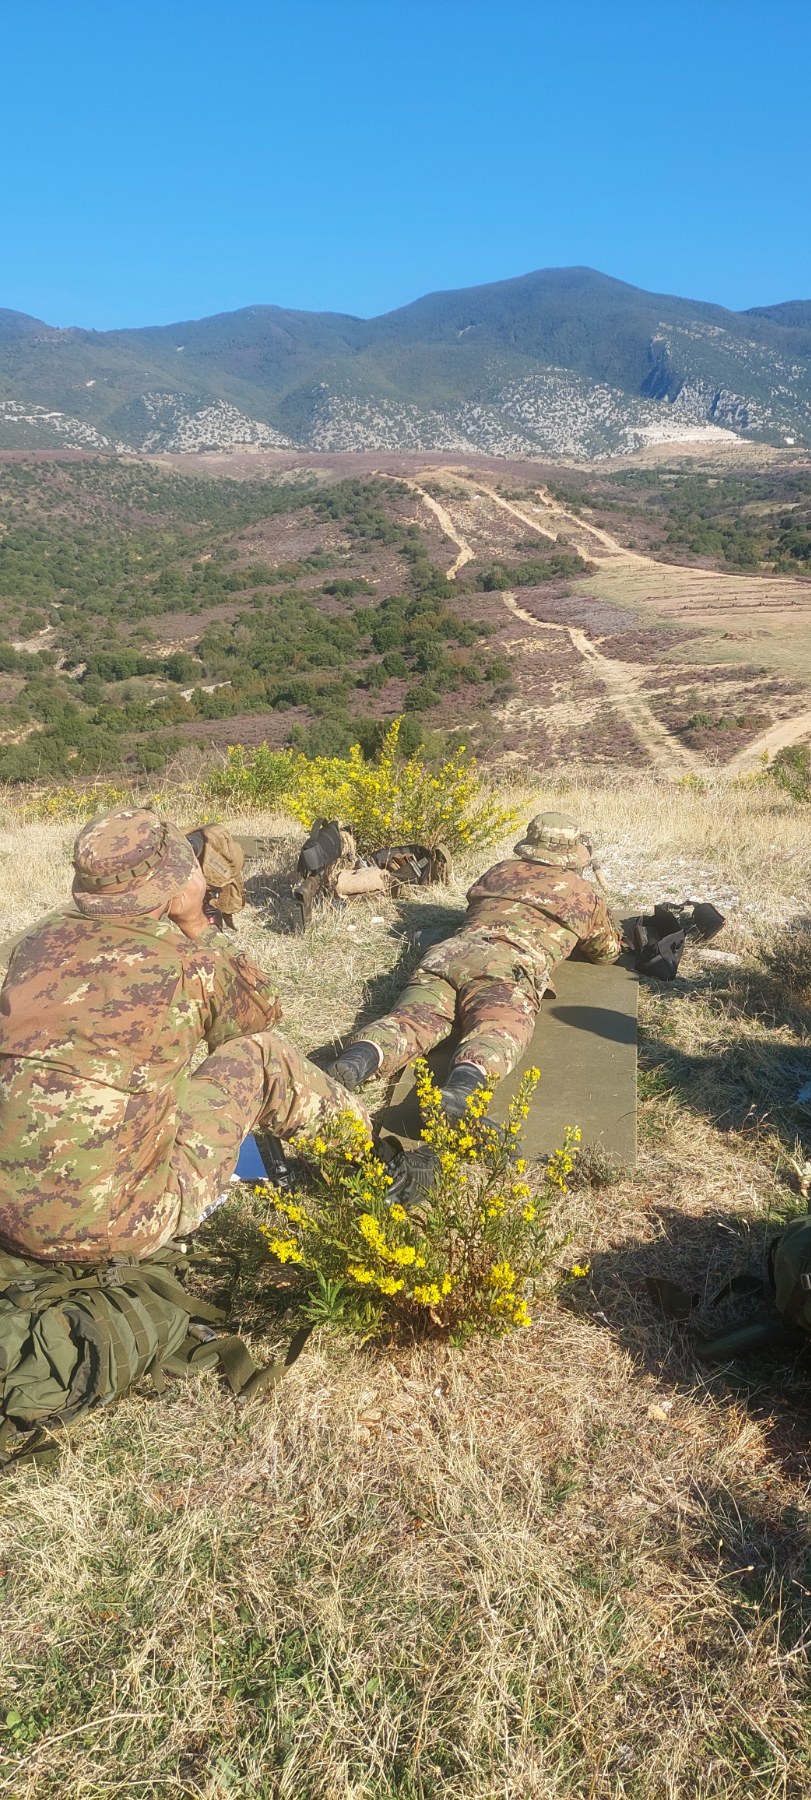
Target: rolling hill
<point>560,362</point>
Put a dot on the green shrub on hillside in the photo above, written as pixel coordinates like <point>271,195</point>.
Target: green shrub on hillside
<point>564,564</point>
<point>390,799</point>
<point>791,771</point>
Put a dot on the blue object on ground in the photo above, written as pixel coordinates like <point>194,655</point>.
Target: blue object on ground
<point>250,1166</point>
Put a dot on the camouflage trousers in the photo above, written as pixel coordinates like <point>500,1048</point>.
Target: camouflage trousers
<point>481,984</point>
<point>185,1158</point>
<point>261,1082</point>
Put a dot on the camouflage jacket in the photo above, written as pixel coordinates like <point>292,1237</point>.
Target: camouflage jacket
<point>100,1020</point>
<point>543,912</point>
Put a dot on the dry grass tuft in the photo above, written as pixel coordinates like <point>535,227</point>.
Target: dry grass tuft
<point>570,1567</point>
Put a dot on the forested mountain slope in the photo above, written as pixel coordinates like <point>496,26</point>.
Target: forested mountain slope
<point>559,362</point>
<point>629,617</point>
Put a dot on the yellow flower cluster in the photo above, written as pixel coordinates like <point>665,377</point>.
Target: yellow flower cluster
<point>502,1275</point>
<point>402,1254</point>
<point>468,1261</point>
<point>286,1249</point>
<point>429,1293</point>
<point>505,1301</point>
<point>66,803</point>
<point>561,1162</point>
<point>295,1214</point>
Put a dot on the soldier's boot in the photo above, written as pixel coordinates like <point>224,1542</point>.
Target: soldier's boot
<point>464,1080</point>
<point>415,1173</point>
<point>357,1064</point>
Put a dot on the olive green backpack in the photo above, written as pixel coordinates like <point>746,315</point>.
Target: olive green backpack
<point>785,1308</point>
<point>73,1337</point>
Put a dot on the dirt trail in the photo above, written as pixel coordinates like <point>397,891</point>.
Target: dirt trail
<point>555,518</point>
<point>659,744</point>
<point>444,519</point>
<point>777,737</point>
<point>712,599</point>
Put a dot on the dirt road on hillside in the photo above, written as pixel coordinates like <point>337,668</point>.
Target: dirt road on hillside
<point>551,517</point>
<point>620,682</point>
<point>451,530</point>
<point>778,737</point>
<point>714,600</point>
<point>443,519</point>
<point>619,679</point>
<point>734,608</point>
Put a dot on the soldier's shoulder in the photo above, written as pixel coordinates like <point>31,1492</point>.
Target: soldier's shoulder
<point>497,873</point>
<point>577,884</point>
<point>216,955</point>
<point>53,927</point>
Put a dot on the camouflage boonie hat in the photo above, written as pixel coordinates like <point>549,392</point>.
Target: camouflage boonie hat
<point>555,838</point>
<point>129,862</point>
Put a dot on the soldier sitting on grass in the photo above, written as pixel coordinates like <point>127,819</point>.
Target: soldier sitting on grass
<point>524,916</point>
<point>109,1144</point>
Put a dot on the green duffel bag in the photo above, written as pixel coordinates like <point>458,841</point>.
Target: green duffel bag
<point>73,1337</point>
<point>784,1310</point>
<point>790,1274</point>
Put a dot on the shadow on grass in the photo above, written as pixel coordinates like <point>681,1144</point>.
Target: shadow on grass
<point>754,1546</point>
<point>271,895</point>
<point>749,1085</point>
<point>256,1293</point>
<point>700,1254</point>
<point>752,1079</point>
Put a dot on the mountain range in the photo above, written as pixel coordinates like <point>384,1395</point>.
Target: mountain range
<point>562,362</point>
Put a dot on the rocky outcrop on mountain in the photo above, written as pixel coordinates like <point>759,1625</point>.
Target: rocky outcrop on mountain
<point>565,362</point>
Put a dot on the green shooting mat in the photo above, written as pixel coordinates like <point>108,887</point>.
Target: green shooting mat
<point>585,1044</point>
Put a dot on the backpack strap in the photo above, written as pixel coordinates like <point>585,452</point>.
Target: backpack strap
<point>797,1299</point>
<point>40,1446</point>
<point>246,1378</point>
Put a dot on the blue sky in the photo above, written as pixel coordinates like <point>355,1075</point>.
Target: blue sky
<point>161,160</point>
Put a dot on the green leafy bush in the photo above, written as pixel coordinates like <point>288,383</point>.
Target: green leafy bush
<point>388,800</point>
<point>791,771</point>
<point>254,778</point>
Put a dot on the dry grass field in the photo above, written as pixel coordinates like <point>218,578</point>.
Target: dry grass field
<point>572,1566</point>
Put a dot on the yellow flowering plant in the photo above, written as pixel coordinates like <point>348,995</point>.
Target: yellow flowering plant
<point>62,804</point>
<point>470,1259</point>
<point>391,799</point>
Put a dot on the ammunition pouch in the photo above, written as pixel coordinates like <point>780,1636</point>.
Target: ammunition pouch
<point>414,865</point>
<point>222,860</point>
<point>328,864</point>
